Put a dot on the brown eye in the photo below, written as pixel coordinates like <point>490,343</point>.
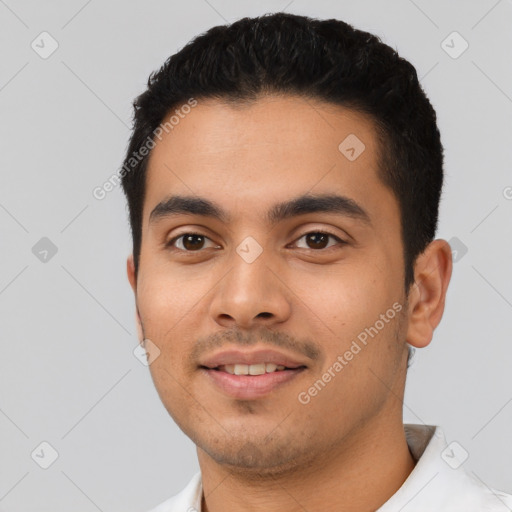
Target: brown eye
<point>189,242</point>
<point>193,242</point>
<point>318,240</point>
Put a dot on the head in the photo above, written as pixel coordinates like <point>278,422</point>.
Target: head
<point>287,199</point>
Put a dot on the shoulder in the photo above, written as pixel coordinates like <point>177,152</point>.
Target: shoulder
<point>441,481</point>
<point>478,493</point>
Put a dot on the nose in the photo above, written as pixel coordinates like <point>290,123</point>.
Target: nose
<point>251,295</point>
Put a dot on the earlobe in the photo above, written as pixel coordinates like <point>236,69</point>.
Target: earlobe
<point>432,273</point>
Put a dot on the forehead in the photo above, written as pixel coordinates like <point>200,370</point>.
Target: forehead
<point>251,156</point>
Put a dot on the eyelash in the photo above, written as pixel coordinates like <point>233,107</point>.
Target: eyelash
<point>170,243</point>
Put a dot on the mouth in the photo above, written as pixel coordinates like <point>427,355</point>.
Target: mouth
<point>252,369</point>
<point>246,376</point>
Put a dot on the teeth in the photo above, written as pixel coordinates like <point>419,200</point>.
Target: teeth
<point>257,369</point>
<point>241,369</point>
<point>251,369</point>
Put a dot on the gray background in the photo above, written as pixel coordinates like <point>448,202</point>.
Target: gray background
<point>68,375</point>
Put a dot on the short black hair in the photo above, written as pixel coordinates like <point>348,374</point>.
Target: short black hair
<point>326,60</point>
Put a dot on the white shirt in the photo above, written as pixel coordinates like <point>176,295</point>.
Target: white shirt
<point>438,482</point>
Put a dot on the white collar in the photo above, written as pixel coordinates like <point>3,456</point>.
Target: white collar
<point>438,482</point>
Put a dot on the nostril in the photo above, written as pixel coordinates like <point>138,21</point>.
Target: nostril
<point>265,315</point>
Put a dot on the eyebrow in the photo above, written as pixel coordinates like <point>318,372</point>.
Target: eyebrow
<point>325,203</point>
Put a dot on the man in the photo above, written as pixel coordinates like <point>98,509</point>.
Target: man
<point>283,180</point>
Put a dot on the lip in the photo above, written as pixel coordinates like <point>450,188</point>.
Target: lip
<point>251,357</point>
<point>250,387</point>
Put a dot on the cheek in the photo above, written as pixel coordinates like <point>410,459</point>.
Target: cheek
<point>160,316</point>
<point>343,310</point>
<point>345,297</point>
<point>164,300</point>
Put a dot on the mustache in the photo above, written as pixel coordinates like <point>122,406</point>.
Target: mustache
<point>277,339</point>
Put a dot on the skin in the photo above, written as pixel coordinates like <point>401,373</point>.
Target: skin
<point>346,448</point>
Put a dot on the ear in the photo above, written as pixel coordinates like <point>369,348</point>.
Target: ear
<point>130,270</point>
<point>432,273</point>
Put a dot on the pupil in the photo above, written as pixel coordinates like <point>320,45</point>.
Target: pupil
<point>319,240</point>
<point>188,242</point>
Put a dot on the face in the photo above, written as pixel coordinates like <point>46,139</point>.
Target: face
<point>266,246</point>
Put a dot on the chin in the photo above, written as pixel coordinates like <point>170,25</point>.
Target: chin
<point>253,456</point>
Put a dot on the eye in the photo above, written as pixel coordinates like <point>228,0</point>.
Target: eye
<point>189,242</point>
<point>195,242</point>
<point>319,240</point>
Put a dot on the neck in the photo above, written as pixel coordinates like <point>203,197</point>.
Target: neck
<point>360,476</point>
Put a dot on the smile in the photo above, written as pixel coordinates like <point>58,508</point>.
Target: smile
<point>250,369</point>
<point>250,382</point>
<point>250,374</point>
